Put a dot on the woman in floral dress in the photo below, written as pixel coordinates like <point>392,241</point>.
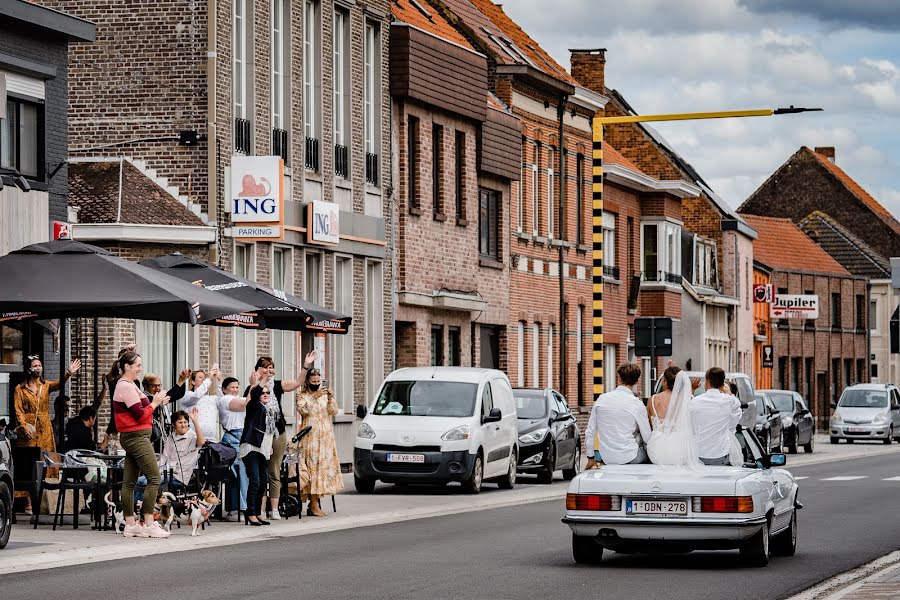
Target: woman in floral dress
<point>320,465</point>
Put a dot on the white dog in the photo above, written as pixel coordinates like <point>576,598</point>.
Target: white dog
<point>200,510</point>
<point>115,510</point>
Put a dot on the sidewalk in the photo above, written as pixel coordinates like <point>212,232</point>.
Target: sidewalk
<point>43,548</point>
<point>877,580</point>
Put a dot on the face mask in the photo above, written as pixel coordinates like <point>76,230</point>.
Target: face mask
<point>314,387</point>
<point>36,372</point>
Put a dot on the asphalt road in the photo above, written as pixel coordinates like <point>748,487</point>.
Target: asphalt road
<point>515,553</point>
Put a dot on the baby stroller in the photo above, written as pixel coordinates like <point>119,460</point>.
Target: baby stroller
<point>213,469</point>
<point>288,505</point>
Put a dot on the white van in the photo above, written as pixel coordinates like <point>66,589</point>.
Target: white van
<point>437,425</point>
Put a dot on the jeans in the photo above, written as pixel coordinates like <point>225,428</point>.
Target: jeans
<point>236,496</point>
<point>255,463</point>
<point>279,444</point>
<point>721,461</point>
<point>139,458</point>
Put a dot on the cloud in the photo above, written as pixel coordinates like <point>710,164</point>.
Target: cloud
<point>873,14</point>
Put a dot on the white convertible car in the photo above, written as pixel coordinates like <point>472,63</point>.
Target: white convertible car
<point>653,508</point>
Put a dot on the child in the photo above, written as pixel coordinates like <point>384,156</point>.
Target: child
<point>181,451</point>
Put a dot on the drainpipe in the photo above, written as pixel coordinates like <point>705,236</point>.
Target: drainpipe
<point>737,316</point>
<point>561,113</point>
<point>212,192</point>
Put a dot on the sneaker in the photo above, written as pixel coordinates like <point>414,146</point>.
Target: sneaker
<point>153,530</point>
<point>231,517</point>
<point>136,530</point>
<point>276,516</point>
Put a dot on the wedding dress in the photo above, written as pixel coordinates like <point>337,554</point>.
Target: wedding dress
<point>673,441</point>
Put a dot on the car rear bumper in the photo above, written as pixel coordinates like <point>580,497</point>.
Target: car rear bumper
<point>439,467</point>
<point>857,432</point>
<point>612,530</point>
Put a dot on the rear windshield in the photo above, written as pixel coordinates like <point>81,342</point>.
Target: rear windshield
<point>530,406</point>
<point>427,399</point>
<point>864,399</point>
<point>783,402</point>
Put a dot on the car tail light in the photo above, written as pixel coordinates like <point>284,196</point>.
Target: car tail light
<point>723,504</point>
<point>593,502</point>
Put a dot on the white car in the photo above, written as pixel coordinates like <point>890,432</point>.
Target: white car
<point>647,508</point>
<point>437,425</point>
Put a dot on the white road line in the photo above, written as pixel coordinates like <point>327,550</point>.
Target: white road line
<point>845,478</point>
<point>888,479</point>
<point>799,477</point>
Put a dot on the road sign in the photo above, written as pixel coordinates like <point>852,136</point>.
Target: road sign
<point>768,357</point>
<point>653,336</point>
<point>763,292</point>
<point>795,307</point>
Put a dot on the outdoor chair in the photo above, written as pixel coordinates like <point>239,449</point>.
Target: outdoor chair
<point>70,478</point>
<point>26,476</point>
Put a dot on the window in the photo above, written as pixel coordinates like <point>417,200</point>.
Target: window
<point>454,348</point>
<point>280,59</point>
<point>782,372</point>
<point>705,264</point>
<point>341,75</point>
<point>437,167</point>
<point>520,200</point>
<point>437,345</point>
<point>239,47</point>
<point>535,354</point>
<point>550,331</point>
<point>154,338</point>
<point>609,245</point>
<point>11,347</point>
<point>312,277</point>
<point>310,74</point>
<point>873,315</point>
<point>460,155</point>
<point>487,401</point>
<point>371,101</point>
<point>609,367</point>
<point>795,374</point>
<point>809,379</point>
<point>535,204</point>
<point>860,312</point>
<point>412,156</point>
<point>21,138</point>
<point>244,351</point>
<point>848,372</point>
<point>579,353</point>
<point>661,252</point>
<point>836,311</point>
<point>489,223</point>
<point>520,354</point>
<point>342,345</point>
<point>374,326</point>
<point>550,189</point>
<point>284,343</point>
<point>490,347</point>
<point>579,199</point>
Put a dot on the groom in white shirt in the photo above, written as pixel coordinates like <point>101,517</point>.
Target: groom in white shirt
<point>715,415</point>
<point>620,421</point>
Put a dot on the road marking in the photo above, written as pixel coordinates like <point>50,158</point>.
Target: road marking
<point>892,479</point>
<point>799,477</point>
<point>845,478</point>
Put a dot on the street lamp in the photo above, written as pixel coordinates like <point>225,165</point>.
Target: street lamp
<point>597,208</point>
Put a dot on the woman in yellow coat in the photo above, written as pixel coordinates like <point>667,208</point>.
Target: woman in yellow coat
<point>319,457</point>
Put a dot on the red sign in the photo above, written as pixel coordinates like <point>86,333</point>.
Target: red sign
<point>62,231</point>
<point>763,292</point>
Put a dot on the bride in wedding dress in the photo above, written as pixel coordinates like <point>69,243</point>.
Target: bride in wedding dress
<point>673,441</point>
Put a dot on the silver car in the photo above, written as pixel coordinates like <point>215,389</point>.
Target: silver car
<point>867,411</point>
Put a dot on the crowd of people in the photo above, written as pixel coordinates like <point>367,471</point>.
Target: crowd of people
<point>161,434</point>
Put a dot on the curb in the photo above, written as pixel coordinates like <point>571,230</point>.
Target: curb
<point>844,583</point>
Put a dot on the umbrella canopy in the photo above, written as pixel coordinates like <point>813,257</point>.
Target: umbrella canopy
<point>279,310</point>
<point>69,279</point>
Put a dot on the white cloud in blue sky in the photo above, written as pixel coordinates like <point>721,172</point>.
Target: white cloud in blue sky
<point>694,55</point>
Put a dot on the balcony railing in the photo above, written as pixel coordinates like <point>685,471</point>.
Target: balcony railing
<point>610,271</point>
<point>242,136</point>
<point>341,161</point>
<point>280,143</point>
<point>312,154</point>
<point>371,168</point>
<point>663,277</point>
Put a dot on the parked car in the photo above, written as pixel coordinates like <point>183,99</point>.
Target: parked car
<point>742,385</point>
<point>636,508</point>
<point>799,427</point>
<point>6,489</point>
<point>768,429</point>
<point>548,434</point>
<point>438,425</point>
<point>867,411</point>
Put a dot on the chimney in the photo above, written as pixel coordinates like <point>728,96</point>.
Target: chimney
<point>588,67</point>
<point>826,151</point>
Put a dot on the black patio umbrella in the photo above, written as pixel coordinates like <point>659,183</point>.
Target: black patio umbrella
<point>70,279</point>
<point>278,309</point>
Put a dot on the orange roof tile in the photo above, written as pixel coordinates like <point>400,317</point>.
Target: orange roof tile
<point>782,245</point>
<point>433,23</point>
<point>611,156</point>
<point>857,190</point>
<point>495,103</point>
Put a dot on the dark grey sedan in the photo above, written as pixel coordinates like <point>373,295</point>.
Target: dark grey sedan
<point>769,428</point>
<point>548,434</point>
<point>798,424</point>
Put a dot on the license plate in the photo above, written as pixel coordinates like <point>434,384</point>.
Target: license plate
<point>856,429</point>
<point>405,458</point>
<point>663,506</point>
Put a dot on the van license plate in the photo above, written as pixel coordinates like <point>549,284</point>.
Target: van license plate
<point>656,507</point>
<point>856,430</point>
<point>405,458</point>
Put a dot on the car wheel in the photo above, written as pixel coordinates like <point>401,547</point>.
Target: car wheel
<point>364,486</point>
<point>755,550</point>
<point>834,440</point>
<point>792,444</point>
<point>6,506</point>
<point>890,437</point>
<point>785,543</point>
<point>570,474</point>
<point>810,446</point>
<point>472,485</point>
<point>545,475</point>
<point>586,551</point>
<point>508,481</point>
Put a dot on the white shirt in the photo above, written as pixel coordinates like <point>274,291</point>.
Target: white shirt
<point>230,419</point>
<point>192,397</point>
<point>207,408</point>
<point>181,454</point>
<point>617,417</point>
<point>715,416</point>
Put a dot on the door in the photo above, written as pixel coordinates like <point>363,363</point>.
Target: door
<point>895,409</point>
<point>509,423</point>
<point>490,348</point>
<point>564,430</point>
<point>491,437</point>
<point>804,422</point>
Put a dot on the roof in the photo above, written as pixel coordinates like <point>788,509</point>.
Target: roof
<point>58,22</point>
<point>94,188</point>
<point>460,374</point>
<point>870,386</point>
<point>418,14</point>
<point>854,254</point>
<point>782,245</point>
<point>507,42</point>
<point>497,104</point>
<point>857,190</point>
<point>611,156</point>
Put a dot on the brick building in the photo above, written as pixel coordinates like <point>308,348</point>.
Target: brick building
<point>181,91</point>
<point>34,58</point>
<point>456,151</point>
<point>816,357</point>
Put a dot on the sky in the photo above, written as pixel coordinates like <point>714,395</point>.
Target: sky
<point>699,55</point>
